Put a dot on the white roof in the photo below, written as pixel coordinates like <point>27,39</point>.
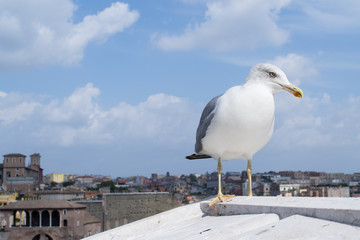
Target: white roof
<point>241,218</point>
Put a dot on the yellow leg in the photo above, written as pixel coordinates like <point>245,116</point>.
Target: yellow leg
<point>219,170</point>
<point>220,197</point>
<point>249,173</point>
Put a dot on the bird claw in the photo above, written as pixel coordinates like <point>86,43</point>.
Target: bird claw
<point>220,198</point>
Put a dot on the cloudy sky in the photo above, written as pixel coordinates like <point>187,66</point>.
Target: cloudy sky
<point>108,87</point>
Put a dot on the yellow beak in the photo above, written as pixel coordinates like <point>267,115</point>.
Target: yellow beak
<point>293,90</point>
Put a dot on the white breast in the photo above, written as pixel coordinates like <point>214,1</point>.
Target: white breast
<point>243,123</point>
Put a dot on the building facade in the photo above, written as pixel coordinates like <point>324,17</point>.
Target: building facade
<point>116,209</point>
<point>15,176</point>
<point>57,177</point>
<point>61,194</point>
<point>39,219</point>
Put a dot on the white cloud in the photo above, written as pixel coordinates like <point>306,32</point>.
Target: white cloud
<point>316,122</point>
<point>78,119</point>
<point>295,66</point>
<point>231,24</point>
<point>20,112</point>
<point>79,105</point>
<point>15,107</point>
<point>34,33</point>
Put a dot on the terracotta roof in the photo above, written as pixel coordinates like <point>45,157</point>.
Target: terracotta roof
<point>43,204</point>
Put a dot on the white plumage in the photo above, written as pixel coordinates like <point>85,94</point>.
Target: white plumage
<point>235,133</point>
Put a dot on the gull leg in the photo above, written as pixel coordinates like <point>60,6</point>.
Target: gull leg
<point>220,197</point>
<point>249,173</point>
<point>219,169</point>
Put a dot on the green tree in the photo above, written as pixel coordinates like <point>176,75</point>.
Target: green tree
<point>193,178</point>
<point>68,183</point>
<point>107,184</point>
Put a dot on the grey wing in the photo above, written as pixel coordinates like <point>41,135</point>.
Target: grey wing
<point>205,120</point>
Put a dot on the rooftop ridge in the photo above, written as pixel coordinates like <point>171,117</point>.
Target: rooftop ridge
<point>342,210</point>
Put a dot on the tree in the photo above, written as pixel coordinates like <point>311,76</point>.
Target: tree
<point>68,183</point>
<point>107,184</point>
<point>193,178</point>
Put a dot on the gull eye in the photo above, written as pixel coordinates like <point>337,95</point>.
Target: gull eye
<point>272,74</point>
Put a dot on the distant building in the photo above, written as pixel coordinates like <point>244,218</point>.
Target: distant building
<point>85,179</point>
<point>8,198</point>
<point>62,194</point>
<point>40,219</point>
<point>15,176</point>
<point>294,189</point>
<point>57,177</point>
<point>328,191</point>
<point>271,189</point>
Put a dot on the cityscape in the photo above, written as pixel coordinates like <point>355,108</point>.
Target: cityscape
<point>103,102</point>
<point>83,205</point>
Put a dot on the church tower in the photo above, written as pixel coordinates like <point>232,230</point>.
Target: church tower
<point>35,161</point>
<point>35,165</point>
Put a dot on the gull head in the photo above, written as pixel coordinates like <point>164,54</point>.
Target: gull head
<point>274,77</point>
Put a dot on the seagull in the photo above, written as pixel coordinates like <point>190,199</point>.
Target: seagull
<point>240,122</point>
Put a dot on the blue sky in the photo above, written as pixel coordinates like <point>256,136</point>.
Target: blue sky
<point>108,87</point>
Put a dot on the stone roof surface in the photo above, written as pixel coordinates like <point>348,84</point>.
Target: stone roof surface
<point>255,218</point>
<point>42,204</point>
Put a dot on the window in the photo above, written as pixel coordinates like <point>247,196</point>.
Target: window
<point>35,219</point>
<point>17,169</point>
<point>24,218</point>
<point>55,218</point>
<point>45,219</point>
<point>65,223</point>
<point>64,212</point>
<point>3,223</point>
<point>17,218</point>
<point>77,223</point>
